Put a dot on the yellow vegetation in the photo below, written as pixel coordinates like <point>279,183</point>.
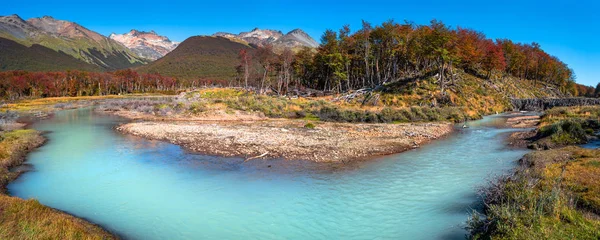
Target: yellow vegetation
<point>41,104</point>
<point>28,219</point>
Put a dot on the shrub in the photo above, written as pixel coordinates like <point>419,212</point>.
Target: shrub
<point>328,114</point>
<point>309,125</point>
<point>565,132</point>
<point>418,113</point>
<point>197,107</point>
<point>387,115</point>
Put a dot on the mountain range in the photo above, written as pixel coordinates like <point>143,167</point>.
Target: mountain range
<point>71,39</point>
<point>258,37</point>
<point>48,44</point>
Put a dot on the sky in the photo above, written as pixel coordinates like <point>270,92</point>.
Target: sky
<point>569,30</point>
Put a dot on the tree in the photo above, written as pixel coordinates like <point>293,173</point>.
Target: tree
<point>245,60</point>
<point>494,58</point>
<point>286,60</point>
<point>265,57</point>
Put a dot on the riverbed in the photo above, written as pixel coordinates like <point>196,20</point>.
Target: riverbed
<point>142,189</point>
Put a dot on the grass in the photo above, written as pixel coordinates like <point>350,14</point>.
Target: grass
<point>230,100</point>
<point>553,195</point>
<point>475,95</point>
<point>325,110</point>
<point>562,113</point>
<point>44,104</point>
<point>28,219</point>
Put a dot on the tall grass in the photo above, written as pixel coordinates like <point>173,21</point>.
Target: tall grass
<point>542,200</point>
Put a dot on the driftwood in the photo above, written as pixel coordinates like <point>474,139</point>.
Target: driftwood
<point>541,104</point>
<point>255,157</point>
<point>353,95</point>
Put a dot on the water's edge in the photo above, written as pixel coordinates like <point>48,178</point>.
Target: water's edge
<point>25,167</point>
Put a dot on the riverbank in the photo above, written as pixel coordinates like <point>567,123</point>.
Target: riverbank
<point>292,140</point>
<point>554,194</point>
<point>554,191</point>
<point>28,219</point>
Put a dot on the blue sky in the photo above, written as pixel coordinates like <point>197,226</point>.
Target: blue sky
<point>567,29</point>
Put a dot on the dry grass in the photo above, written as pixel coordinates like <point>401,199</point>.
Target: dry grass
<point>581,176</point>
<point>563,113</point>
<point>42,104</point>
<point>314,108</point>
<point>28,219</point>
<point>553,195</point>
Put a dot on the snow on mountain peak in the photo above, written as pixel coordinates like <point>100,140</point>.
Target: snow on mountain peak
<point>262,37</point>
<point>146,44</point>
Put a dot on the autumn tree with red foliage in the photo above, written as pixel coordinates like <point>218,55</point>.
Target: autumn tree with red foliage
<point>20,84</point>
<point>392,52</point>
<point>494,57</point>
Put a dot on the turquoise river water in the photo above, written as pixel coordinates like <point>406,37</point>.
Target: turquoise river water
<point>142,189</point>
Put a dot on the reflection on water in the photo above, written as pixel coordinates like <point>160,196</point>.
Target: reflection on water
<point>152,190</point>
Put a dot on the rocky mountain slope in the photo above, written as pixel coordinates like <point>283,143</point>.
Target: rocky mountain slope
<point>148,45</point>
<point>261,37</point>
<point>14,56</point>
<point>71,39</point>
<point>200,57</point>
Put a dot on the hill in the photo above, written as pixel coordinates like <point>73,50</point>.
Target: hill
<point>200,57</point>
<point>70,38</point>
<point>14,56</point>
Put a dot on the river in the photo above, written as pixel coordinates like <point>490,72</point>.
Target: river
<point>141,189</point>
